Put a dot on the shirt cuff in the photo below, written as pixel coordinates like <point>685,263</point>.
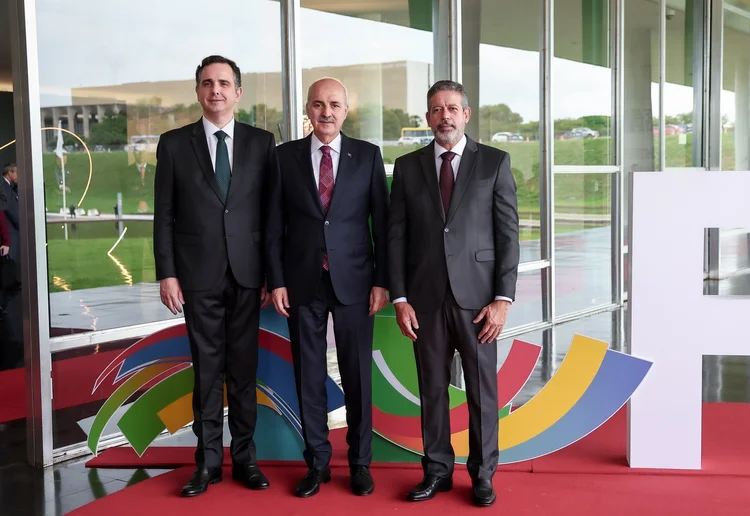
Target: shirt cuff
<point>503,298</point>
<point>399,300</point>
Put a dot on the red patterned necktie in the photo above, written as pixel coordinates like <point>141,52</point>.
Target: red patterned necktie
<point>446,179</point>
<point>325,186</point>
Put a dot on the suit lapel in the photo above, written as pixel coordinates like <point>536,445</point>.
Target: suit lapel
<point>343,175</point>
<point>306,168</point>
<point>239,153</point>
<point>427,158</point>
<point>465,170</point>
<point>200,147</point>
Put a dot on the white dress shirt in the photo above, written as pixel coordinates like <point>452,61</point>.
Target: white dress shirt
<point>212,140</point>
<point>458,149</point>
<point>317,155</point>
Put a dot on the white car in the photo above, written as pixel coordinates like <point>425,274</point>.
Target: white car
<point>501,137</point>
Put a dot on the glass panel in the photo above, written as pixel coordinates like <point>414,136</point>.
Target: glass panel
<point>506,106</point>
<point>112,101</point>
<point>582,83</point>
<point>387,75</point>
<point>527,306</point>
<point>600,326</point>
<point>682,91</point>
<point>105,101</point>
<point>641,92</point>
<point>583,241</point>
<point>735,94</point>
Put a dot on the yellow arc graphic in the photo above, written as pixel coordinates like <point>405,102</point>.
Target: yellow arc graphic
<point>88,153</point>
<point>565,388</point>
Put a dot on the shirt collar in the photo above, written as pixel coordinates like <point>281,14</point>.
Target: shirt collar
<point>316,144</point>
<point>211,128</point>
<point>457,149</point>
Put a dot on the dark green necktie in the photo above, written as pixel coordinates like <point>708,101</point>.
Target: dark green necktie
<point>223,172</point>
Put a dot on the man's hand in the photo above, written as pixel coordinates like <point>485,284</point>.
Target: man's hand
<point>265,297</point>
<point>281,300</point>
<point>4,249</point>
<point>378,300</point>
<point>494,314</point>
<point>171,295</point>
<point>407,320</point>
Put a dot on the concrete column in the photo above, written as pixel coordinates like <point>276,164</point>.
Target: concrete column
<point>471,17</point>
<point>638,152</point>
<point>742,113</point>
<point>86,121</point>
<point>71,119</point>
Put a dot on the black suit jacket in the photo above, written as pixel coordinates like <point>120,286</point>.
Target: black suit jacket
<point>10,201</point>
<point>356,256</point>
<point>475,247</point>
<point>195,235</point>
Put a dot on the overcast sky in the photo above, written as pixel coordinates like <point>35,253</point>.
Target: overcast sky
<point>92,43</point>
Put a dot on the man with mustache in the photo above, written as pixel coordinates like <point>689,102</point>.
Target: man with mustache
<point>213,179</point>
<point>324,259</point>
<point>453,255</point>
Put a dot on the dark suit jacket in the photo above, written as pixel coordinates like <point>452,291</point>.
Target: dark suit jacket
<point>10,201</point>
<point>304,233</point>
<point>195,235</point>
<point>475,247</point>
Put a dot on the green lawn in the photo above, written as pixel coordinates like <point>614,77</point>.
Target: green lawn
<point>82,260</point>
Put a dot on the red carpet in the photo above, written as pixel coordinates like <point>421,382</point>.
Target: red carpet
<point>519,494</point>
<point>726,450</point>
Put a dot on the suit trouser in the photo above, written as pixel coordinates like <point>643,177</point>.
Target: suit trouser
<point>353,328</point>
<point>440,333</point>
<point>222,326</point>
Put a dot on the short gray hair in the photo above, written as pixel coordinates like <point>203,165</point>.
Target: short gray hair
<point>346,92</point>
<point>448,86</point>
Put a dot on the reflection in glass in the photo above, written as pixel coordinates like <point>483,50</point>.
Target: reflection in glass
<point>727,266</point>
<point>682,92</point>
<point>527,306</point>
<point>506,105</point>
<point>582,83</point>
<point>387,74</point>
<point>640,89</point>
<point>118,95</point>
<point>583,241</point>
<point>735,95</point>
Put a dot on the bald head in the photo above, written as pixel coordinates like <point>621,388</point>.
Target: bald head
<point>327,107</point>
<point>328,82</point>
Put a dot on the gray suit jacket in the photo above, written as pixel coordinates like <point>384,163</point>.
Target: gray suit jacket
<point>475,247</point>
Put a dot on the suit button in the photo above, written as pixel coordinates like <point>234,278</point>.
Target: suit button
<point>327,223</point>
<point>447,230</point>
<point>226,211</point>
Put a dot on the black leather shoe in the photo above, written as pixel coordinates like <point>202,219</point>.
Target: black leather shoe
<point>429,487</point>
<point>250,475</point>
<point>361,480</point>
<point>310,485</point>
<point>484,494</point>
<point>199,481</point>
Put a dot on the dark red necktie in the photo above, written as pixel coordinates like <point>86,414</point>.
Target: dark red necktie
<point>325,186</point>
<point>446,179</point>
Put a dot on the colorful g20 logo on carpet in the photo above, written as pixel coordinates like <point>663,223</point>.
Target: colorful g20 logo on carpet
<point>154,379</point>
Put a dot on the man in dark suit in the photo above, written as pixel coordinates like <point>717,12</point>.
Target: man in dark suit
<point>11,311</point>
<point>453,257</point>
<point>137,181</point>
<point>324,259</point>
<point>213,178</point>
<point>9,199</point>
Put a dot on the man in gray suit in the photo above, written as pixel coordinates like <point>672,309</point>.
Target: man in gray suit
<point>453,257</point>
